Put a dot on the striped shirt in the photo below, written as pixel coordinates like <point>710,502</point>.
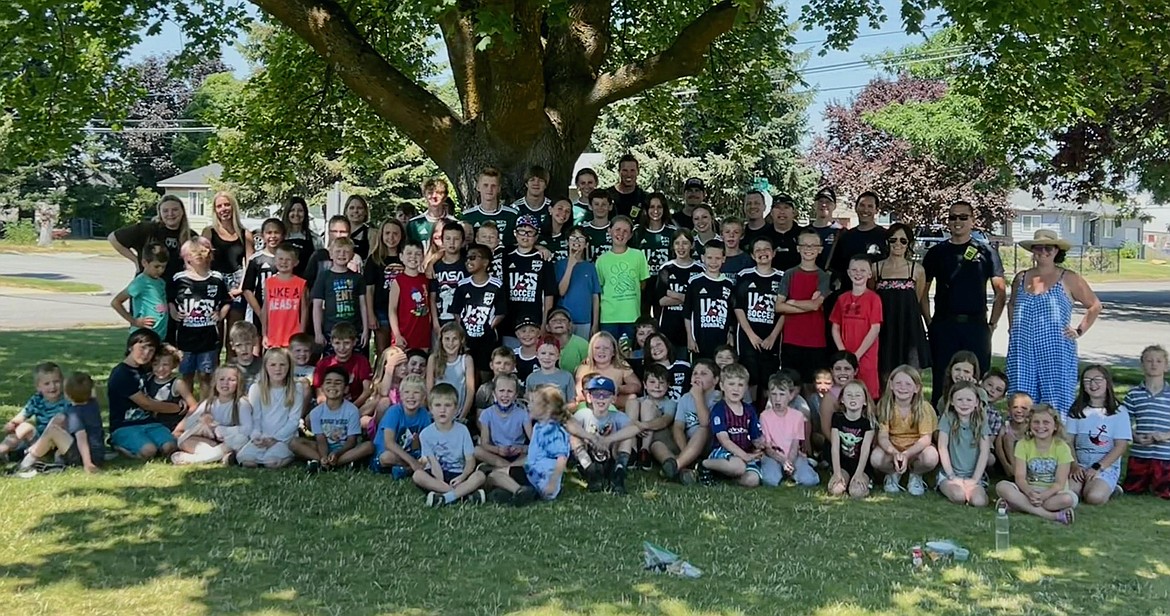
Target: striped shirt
<point>1150,413</point>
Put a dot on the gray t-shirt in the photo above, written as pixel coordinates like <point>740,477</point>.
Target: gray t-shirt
<point>963,445</point>
<point>336,425</point>
<point>685,413</point>
<point>667,407</point>
<point>613,421</point>
<point>343,294</point>
<point>449,448</point>
<point>563,380</point>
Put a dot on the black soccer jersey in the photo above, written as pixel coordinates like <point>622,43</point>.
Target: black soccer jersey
<point>260,269</point>
<point>446,278</point>
<point>496,268</point>
<point>525,365</point>
<point>708,306</point>
<point>529,280</point>
<point>674,277</point>
<point>198,300</point>
<point>477,305</point>
<point>680,379</point>
<point>755,295</point>
<point>656,245</point>
<point>599,240</point>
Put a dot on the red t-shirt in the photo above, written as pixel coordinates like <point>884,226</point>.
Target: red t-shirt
<point>856,314</point>
<point>806,329</point>
<point>283,300</point>
<point>358,367</point>
<point>414,320</point>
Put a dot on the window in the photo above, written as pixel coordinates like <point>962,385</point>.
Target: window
<point>1108,224</point>
<point>1029,224</point>
<point>1073,225</point>
<point>195,203</point>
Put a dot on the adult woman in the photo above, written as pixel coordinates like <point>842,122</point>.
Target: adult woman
<point>379,271</point>
<point>358,212</point>
<point>555,229</point>
<point>1042,347</point>
<point>169,228</point>
<point>232,247</point>
<point>901,285</point>
<point>295,217</point>
<point>605,358</point>
<point>704,220</point>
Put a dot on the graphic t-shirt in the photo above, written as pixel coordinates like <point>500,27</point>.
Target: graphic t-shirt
<point>137,236</point>
<point>1042,467</point>
<point>378,276</point>
<point>476,305</point>
<point>124,382</point>
<point>342,293</point>
<point>963,445</point>
<point>709,304</point>
<point>1093,434</point>
<point>541,213</point>
<point>336,425</point>
<point>903,431</point>
<point>784,243</point>
<point>446,278</point>
<point>421,227</point>
<point>621,277</point>
<point>148,299</point>
<point>686,413</point>
<point>742,428</point>
<point>549,442</point>
<point>449,448</point>
<point>674,277</point>
<point>629,204</point>
<point>530,279</point>
<point>198,299</point>
<point>870,244</point>
<point>164,391</point>
<point>414,316</point>
<point>806,329</point>
<point>755,295</point>
<point>656,246</point>
<point>525,364</point>
<point>285,299</point>
<point>557,244</point>
<point>851,435</point>
<point>599,239</point>
<point>406,428</point>
<point>679,379</point>
<point>609,423</point>
<point>506,428</point>
<point>260,268</point>
<point>357,367</point>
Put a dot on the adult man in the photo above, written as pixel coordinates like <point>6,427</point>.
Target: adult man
<point>534,202</point>
<point>694,193</point>
<point>753,214</point>
<point>420,227</point>
<point>962,267</point>
<point>825,202</point>
<point>867,238</point>
<point>586,182</point>
<point>628,198</point>
<point>489,208</point>
<point>783,233</point>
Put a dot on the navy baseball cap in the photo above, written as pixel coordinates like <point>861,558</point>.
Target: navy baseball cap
<point>528,220</point>
<point>601,383</point>
<point>826,193</point>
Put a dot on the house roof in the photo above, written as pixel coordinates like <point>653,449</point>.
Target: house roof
<point>194,177</point>
<point>1025,201</point>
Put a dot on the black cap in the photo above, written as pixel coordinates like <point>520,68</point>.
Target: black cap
<point>826,193</point>
<point>527,320</point>
<point>695,183</point>
<point>783,198</point>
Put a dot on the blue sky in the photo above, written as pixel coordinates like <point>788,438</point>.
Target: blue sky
<point>836,85</point>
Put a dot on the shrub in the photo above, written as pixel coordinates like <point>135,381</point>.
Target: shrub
<point>21,233</point>
<point>1129,250</point>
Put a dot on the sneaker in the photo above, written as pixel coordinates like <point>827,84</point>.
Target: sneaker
<point>670,469</point>
<point>687,477</point>
<point>177,458</point>
<point>26,463</point>
<point>27,473</point>
<point>916,486</point>
<point>399,471</point>
<point>477,497</point>
<point>49,469</point>
<point>434,499</point>
<point>594,477</point>
<point>618,482</point>
<point>706,476</point>
<point>1066,517</point>
<point>645,462</point>
<point>892,483</point>
<point>313,467</point>
<point>525,496</point>
<point>500,496</point>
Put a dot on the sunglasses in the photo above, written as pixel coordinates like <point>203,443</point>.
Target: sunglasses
<point>898,240</point>
<point>1044,248</point>
<point>960,217</point>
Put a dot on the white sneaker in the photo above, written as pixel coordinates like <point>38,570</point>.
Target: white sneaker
<point>892,483</point>
<point>916,486</point>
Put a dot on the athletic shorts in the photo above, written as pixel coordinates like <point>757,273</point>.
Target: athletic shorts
<point>720,453</point>
<point>135,438</point>
<point>203,363</point>
<point>1147,474</point>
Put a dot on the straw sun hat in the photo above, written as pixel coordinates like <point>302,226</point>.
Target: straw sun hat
<point>1045,237</point>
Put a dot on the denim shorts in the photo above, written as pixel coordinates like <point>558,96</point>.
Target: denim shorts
<point>134,438</point>
<point>203,363</point>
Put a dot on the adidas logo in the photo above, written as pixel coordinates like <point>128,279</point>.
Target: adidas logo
<point>702,291</point>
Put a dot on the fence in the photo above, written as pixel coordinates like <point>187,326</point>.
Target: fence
<point>1080,259</point>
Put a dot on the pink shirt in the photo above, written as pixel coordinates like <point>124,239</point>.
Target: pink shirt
<point>780,431</point>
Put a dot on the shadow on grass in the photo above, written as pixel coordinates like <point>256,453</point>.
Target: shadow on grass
<point>94,350</point>
<point>183,540</point>
<point>40,276</point>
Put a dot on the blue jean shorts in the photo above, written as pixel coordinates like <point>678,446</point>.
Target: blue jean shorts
<point>203,363</point>
<point>135,438</point>
<point>720,453</point>
<point>383,318</point>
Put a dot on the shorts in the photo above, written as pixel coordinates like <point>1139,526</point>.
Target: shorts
<point>135,438</point>
<point>666,437</point>
<point>203,363</point>
<point>942,477</point>
<point>720,453</point>
<point>383,319</point>
<point>805,360</point>
<point>520,476</point>
<point>1144,474</point>
<point>761,364</point>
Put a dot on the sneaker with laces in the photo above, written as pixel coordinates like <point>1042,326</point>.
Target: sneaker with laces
<point>916,486</point>
<point>28,473</point>
<point>45,468</point>
<point>594,477</point>
<point>893,481</point>
<point>1066,517</point>
<point>645,461</point>
<point>434,499</point>
<point>477,497</point>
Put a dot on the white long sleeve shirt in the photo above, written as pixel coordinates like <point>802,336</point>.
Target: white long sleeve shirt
<point>275,419</point>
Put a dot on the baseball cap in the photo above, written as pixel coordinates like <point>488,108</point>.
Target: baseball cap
<point>525,321</point>
<point>560,312</point>
<point>784,198</point>
<point>528,220</point>
<point>826,193</point>
<point>601,382</point>
<point>694,183</point>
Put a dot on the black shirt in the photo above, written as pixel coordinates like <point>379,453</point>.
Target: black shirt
<point>853,242</point>
<point>446,278</point>
<point>961,272</point>
<point>529,280</point>
<point>682,220</point>
<point>305,248</point>
<point>674,277</point>
<point>755,295</point>
<point>630,204</point>
<point>786,256</point>
<point>379,276</point>
<point>199,300</point>
<point>259,270</point>
<point>360,236</point>
<point>137,236</point>
<point>828,235</point>
<point>709,304</point>
<point>477,305</point>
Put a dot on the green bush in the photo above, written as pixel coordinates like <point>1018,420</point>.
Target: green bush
<point>20,233</point>
<point>1130,250</point>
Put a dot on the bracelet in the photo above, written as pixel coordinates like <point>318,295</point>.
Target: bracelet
<point>1080,332</point>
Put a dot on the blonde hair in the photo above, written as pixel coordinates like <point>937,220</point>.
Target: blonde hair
<point>549,396</point>
<point>1058,434</point>
<point>734,371</point>
<point>265,383</point>
<point>379,250</point>
<point>184,224</point>
<point>978,418</point>
<point>237,222</point>
<point>619,360</point>
<point>867,408</point>
<point>413,381</point>
<point>243,332</point>
<point>213,393</point>
<point>887,405</point>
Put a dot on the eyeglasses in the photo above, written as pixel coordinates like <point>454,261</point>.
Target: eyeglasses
<point>525,232</point>
<point>1093,380</point>
<point>959,217</point>
<point>898,240</point>
<point>1044,248</point>
<point>576,239</point>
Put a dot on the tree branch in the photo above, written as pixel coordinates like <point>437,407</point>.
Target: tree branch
<point>683,58</point>
<point>411,108</point>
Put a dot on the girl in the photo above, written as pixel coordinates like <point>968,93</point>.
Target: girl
<point>654,239</point>
<point>451,364</point>
<point>901,285</point>
<point>703,221</point>
<point>724,356</point>
<point>212,433</point>
<point>964,447</point>
<point>605,358</point>
<point>580,290</point>
<point>556,227</point>
<point>380,269</point>
<point>391,369</point>
<point>169,227</point>
<point>1042,466</point>
<point>261,267</point>
<point>671,288</point>
<point>358,212</point>
<point>434,248</point>
<point>850,441</point>
<point>661,352</point>
<point>1100,431</point>
<point>856,321</point>
<point>295,217</point>
<point>548,453</point>
<point>276,402</point>
<point>906,425</point>
<point>232,246</point>
<point>964,366</point>
<point>1019,408</point>
<point>843,367</point>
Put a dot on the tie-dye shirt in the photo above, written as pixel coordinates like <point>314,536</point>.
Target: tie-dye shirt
<point>40,411</point>
<point>549,442</point>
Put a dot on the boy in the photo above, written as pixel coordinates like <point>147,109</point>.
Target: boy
<point>336,425</point>
<point>416,363</point>
<point>479,305</point>
<point>488,235</point>
<point>857,319</point>
<point>397,449</point>
<point>261,267</point>
<point>78,439</point>
<point>784,430</point>
<point>489,207</point>
<point>444,275</point>
<point>360,376</point>
<point>655,411</point>
<point>530,280</point>
<point>737,432</point>
<point>338,297</point>
<point>692,419</point>
<point>321,259</point>
<point>802,292</point>
<point>534,202</point>
<point>602,438</point>
<point>198,300</point>
<point>449,471</point>
<point>41,408</point>
<point>1148,468</point>
<point>709,303</point>
<point>165,386</point>
<point>528,339</point>
<point>243,339</point>
<point>548,355</point>
<point>757,340</point>
<point>822,384</point>
<point>285,312</point>
<point>597,229</point>
<point>504,429</point>
<point>586,182</point>
<point>735,259</point>
<point>573,348</point>
<point>501,362</point>
<point>147,293</point>
<point>420,227</point>
<point>134,431</point>
<point>410,321</point>
<point>622,272</point>
<point>300,346</point>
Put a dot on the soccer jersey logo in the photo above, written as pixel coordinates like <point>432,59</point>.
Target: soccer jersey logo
<point>761,307</point>
<point>524,287</point>
<point>712,313</point>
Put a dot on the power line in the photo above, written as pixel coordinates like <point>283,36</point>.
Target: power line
<point>870,35</point>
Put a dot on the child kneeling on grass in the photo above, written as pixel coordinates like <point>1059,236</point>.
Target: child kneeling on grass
<point>784,429</point>
<point>76,435</point>
<point>548,454</point>
<point>336,424</point>
<point>1043,462</point>
<point>737,432</point>
<point>602,436</point>
<point>448,455</point>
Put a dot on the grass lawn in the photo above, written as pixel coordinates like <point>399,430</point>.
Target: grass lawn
<point>180,540</point>
<point>56,286</point>
<point>97,246</point>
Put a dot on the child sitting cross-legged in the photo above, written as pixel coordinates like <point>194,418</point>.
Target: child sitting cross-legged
<point>336,424</point>
<point>76,434</point>
<point>211,433</point>
<point>784,429</point>
<point>656,411</point>
<point>448,455</point>
<point>396,445</point>
<point>964,446</point>
<point>548,454</point>
<point>28,425</point>
<point>739,440</point>
<point>603,436</point>
<point>1042,466</point>
<point>504,429</point>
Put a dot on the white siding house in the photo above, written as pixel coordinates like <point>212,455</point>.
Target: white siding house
<point>194,188</point>
<point>1083,224</point>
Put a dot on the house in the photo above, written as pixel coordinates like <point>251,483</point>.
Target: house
<point>194,188</point>
<point>1094,223</point>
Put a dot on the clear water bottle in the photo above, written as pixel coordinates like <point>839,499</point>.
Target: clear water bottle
<point>1002,530</point>
<point>624,344</point>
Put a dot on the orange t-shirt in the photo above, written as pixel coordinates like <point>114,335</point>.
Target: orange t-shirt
<point>904,433</point>
<point>283,300</point>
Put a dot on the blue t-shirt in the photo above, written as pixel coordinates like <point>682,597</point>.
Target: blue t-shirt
<point>89,418</point>
<point>336,425</point>
<point>583,285</point>
<point>125,381</point>
<point>40,411</point>
<point>406,429</point>
<point>549,442</point>
<point>742,429</point>
<point>506,429</point>
<point>148,298</point>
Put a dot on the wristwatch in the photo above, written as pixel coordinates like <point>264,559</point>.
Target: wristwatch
<point>1095,466</point>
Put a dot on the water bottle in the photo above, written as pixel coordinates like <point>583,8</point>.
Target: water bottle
<point>1002,530</point>
<point>624,345</point>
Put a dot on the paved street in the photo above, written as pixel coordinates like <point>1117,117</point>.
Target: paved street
<point>1136,314</point>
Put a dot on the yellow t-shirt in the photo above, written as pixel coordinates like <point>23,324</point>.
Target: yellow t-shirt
<point>903,431</point>
<point>1042,466</point>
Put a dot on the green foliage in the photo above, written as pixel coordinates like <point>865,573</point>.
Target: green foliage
<point>1130,250</point>
<point>945,128</point>
<point>21,233</point>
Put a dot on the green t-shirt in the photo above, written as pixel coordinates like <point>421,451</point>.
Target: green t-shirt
<point>148,298</point>
<point>1042,467</point>
<point>505,219</point>
<point>621,277</point>
<point>573,354</point>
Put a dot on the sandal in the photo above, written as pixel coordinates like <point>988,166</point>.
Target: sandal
<point>1066,517</point>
